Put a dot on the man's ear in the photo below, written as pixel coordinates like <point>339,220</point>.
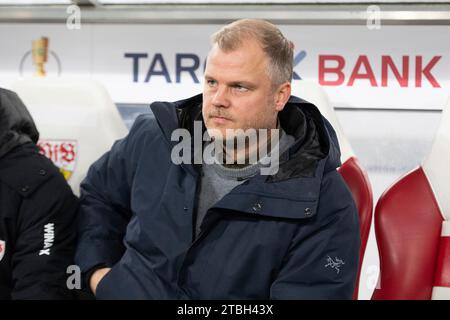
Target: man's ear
<point>282,96</point>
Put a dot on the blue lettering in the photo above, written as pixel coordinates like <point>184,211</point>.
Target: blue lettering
<point>190,69</point>
<point>135,57</point>
<point>299,57</point>
<point>158,58</point>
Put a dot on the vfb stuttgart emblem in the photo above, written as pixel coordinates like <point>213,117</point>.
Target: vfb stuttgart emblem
<point>2,249</point>
<point>63,153</point>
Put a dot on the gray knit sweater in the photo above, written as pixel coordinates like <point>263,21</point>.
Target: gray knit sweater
<point>217,180</point>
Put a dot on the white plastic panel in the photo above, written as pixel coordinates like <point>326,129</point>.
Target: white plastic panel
<point>313,93</point>
<point>437,164</point>
<point>76,119</point>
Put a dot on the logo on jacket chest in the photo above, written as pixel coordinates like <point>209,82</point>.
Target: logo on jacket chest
<point>334,264</point>
<point>2,249</point>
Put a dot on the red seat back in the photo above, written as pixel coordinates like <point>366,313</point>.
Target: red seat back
<point>359,185</point>
<point>408,231</point>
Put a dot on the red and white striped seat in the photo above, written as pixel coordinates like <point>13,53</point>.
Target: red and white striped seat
<point>413,229</point>
<point>351,170</point>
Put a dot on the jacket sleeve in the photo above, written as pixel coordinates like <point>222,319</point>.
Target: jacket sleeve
<point>45,242</point>
<point>105,204</point>
<point>322,261</point>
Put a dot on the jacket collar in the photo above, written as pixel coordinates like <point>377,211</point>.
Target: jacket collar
<point>296,185</point>
<point>315,138</point>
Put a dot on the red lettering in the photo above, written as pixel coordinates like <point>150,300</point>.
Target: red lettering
<point>386,61</point>
<point>68,152</point>
<point>426,71</point>
<point>336,70</point>
<point>363,70</point>
<point>362,60</point>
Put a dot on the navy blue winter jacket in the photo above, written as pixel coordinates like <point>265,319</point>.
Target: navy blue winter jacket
<point>291,235</point>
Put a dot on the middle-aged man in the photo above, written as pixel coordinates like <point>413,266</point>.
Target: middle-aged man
<point>154,228</point>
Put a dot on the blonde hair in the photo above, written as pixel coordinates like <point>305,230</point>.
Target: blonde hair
<point>278,49</point>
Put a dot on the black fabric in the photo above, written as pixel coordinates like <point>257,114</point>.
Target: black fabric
<point>37,212</point>
<point>26,208</point>
<point>16,125</point>
<point>305,124</point>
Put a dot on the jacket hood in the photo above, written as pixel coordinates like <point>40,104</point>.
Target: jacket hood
<point>315,139</point>
<point>315,136</point>
<point>16,125</point>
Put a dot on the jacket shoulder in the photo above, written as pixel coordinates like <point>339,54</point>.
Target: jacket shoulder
<point>143,125</point>
<point>25,170</point>
<point>335,196</point>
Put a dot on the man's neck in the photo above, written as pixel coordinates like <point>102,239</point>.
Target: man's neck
<point>251,153</point>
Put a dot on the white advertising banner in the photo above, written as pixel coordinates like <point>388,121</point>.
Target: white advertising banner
<point>402,67</point>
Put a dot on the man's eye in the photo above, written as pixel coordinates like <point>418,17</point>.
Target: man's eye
<point>241,88</point>
<point>211,83</point>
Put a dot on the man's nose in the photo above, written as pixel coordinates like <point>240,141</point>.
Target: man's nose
<point>221,98</point>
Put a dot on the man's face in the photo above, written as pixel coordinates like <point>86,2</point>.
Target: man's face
<point>238,93</point>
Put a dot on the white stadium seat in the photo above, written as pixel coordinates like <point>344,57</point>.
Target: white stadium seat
<point>76,119</point>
